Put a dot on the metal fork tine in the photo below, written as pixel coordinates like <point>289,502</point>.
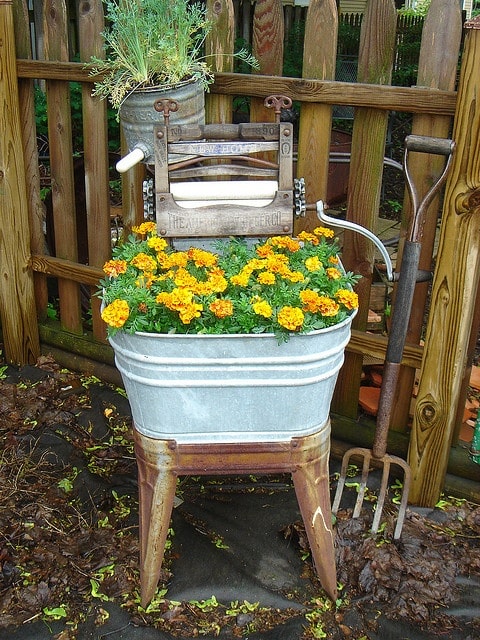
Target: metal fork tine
<point>404,500</point>
<point>363,483</point>
<point>381,495</point>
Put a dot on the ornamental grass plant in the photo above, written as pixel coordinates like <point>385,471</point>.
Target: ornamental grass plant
<point>280,285</point>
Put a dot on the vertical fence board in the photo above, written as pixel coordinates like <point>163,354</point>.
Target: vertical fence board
<point>61,153</point>
<point>437,69</point>
<point>267,47</point>
<point>319,61</point>
<point>454,292</point>
<point>95,135</point>
<point>32,170</point>
<point>366,169</point>
<point>17,300</point>
<point>219,47</point>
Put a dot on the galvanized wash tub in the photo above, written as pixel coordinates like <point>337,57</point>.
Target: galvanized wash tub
<point>230,388</point>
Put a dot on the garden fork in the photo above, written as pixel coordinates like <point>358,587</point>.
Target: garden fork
<point>408,275</point>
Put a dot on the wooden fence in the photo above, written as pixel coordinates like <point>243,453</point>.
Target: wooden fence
<point>82,226</point>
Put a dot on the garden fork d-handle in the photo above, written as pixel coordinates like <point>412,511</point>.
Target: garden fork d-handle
<point>425,144</point>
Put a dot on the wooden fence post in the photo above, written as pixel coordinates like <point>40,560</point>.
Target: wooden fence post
<point>17,299</point>
<point>437,69</point>
<point>219,47</point>
<point>319,61</point>
<point>377,48</point>
<point>267,47</point>
<point>90,24</point>
<point>454,292</point>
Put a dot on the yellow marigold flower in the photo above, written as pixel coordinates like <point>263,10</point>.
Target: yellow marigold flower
<point>158,244</point>
<point>221,308</point>
<point>327,307</point>
<point>293,276</point>
<point>184,278</point>
<point>323,231</point>
<point>116,313</point>
<point>176,299</point>
<point>333,260</point>
<point>313,263</point>
<point>202,258</point>
<point>241,279</point>
<point>144,262</point>
<point>266,277</point>
<point>304,236</point>
<point>333,273</point>
<point>291,318</point>
<point>262,308</point>
<point>144,228</point>
<point>277,263</point>
<point>348,298</point>
<point>177,259</point>
<point>217,283</point>
<point>115,267</point>
<point>189,312</point>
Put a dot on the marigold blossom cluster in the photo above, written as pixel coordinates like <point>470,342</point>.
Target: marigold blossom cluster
<point>281,285</point>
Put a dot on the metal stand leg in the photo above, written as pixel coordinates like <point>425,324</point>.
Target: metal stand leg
<point>161,461</point>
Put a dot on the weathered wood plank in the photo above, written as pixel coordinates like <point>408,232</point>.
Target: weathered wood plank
<point>437,69</point>
<point>61,167</point>
<point>375,64</point>
<point>319,61</point>
<point>408,99</point>
<point>32,170</point>
<point>17,299</point>
<point>219,47</point>
<point>454,292</point>
<point>97,193</point>
<point>267,47</point>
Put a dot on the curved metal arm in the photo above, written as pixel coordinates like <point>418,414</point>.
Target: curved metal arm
<point>345,224</point>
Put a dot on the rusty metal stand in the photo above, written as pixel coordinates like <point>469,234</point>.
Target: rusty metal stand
<point>161,461</point>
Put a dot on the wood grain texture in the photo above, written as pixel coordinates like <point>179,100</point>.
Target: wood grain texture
<point>454,293</point>
<point>17,300</point>
<point>61,167</point>
<point>377,38</point>
<point>319,61</point>
<point>219,47</point>
<point>97,190</point>
<point>437,69</point>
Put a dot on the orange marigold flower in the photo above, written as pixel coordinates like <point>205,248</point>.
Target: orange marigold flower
<point>221,308</point>
<point>323,231</point>
<point>115,267</point>
<point>333,260</point>
<point>264,250</point>
<point>304,236</point>
<point>348,298</point>
<point>291,318</point>
<point>144,228</point>
<point>334,273</point>
<point>116,313</point>
<point>144,262</point>
<point>285,242</point>
<point>202,258</point>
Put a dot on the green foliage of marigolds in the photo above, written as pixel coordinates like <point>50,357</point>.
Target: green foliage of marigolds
<point>280,286</point>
